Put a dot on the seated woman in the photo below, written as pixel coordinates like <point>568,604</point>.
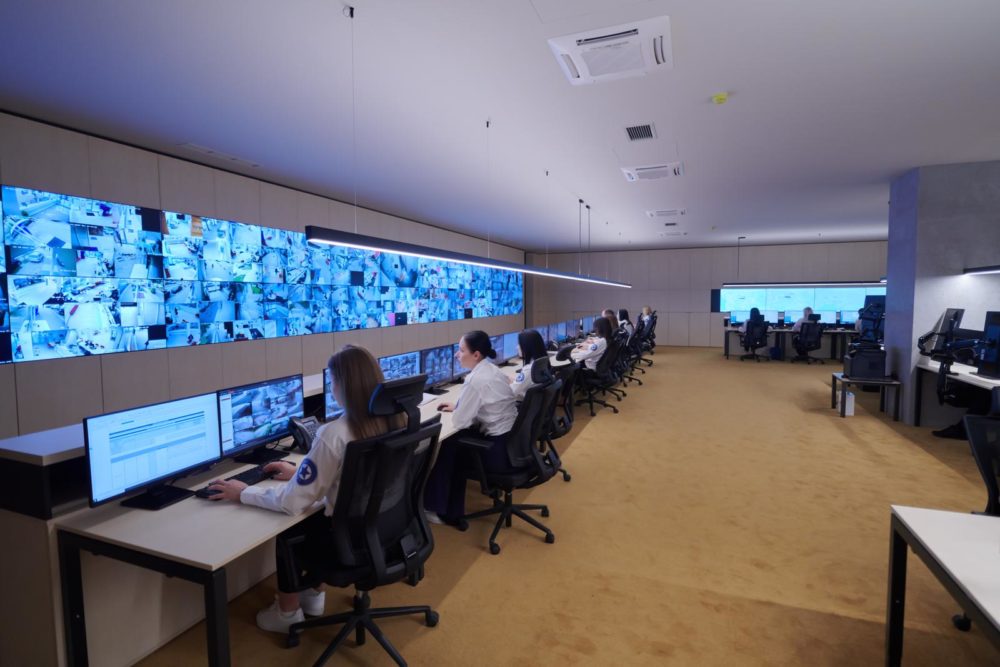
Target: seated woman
<point>530,347</point>
<point>355,374</point>
<point>486,406</point>
<point>755,316</point>
<point>624,322</point>
<point>592,349</point>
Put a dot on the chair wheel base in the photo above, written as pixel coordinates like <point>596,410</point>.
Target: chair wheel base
<point>961,622</point>
<point>462,525</point>
<point>494,548</point>
<point>567,477</point>
<point>431,618</point>
<point>291,641</point>
<point>544,511</point>
<point>550,538</point>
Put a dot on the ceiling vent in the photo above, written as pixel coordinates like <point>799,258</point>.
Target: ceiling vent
<point>618,52</point>
<point>653,171</point>
<point>218,155</point>
<point>640,132</point>
<point>664,214</point>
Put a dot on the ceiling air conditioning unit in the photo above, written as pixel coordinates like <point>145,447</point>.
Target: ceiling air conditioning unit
<point>630,49</point>
<point>653,171</point>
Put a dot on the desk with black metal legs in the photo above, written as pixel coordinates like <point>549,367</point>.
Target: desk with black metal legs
<point>962,551</point>
<point>959,373</point>
<point>883,384</point>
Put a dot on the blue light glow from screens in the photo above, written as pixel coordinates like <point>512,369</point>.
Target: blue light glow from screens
<point>791,301</point>
<point>82,277</point>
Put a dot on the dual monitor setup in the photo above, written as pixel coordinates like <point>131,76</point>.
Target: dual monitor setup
<point>947,342</point>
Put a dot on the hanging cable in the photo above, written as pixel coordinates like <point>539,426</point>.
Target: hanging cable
<point>590,255</point>
<point>579,255</point>
<point>349,13</point>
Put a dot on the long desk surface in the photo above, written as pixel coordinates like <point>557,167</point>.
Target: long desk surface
<point>779,337</point>
<point>963,373</point>
<point>193,539</point>
<point>961,550</point>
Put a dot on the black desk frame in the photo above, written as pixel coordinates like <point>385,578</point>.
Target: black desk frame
<point>900,538</point>
<point>74,621</point>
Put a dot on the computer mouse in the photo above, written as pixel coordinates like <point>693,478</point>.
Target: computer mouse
<point>207,492</point>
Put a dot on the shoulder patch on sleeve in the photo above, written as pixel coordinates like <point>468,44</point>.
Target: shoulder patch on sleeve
<point>593,346</point>
<point>307,472</point>
<point>519,377</point>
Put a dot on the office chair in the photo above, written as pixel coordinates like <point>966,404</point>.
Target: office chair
<point>649,339</point>
<point>753,339</point>
<point>380,535</point>
<point>559,421</point>
<point>601,379</point>
<point>809,338</point>
<point>984,440</point>
<point>529,465</point>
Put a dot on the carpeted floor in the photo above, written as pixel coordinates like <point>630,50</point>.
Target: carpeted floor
<point>727,516</point>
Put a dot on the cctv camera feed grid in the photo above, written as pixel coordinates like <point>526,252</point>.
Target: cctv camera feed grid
<point>255,414</point>
<point>332,408</point>
<point>827,301</point>
<point>81,277</point>
<point>400,365</point>
<point>436,362</point>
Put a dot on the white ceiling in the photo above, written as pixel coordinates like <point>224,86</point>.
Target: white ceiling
<point>829,102</point>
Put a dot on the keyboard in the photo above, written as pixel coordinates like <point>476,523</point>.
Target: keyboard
<point>249,477</point>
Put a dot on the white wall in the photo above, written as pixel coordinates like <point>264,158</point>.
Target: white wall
<point>677,283</point>
<point>40,395</point>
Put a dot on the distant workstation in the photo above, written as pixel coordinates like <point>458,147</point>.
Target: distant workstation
<point>156,477</point>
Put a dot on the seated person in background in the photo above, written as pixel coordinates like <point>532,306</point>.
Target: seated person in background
<point>754,317</point>
<point>612,319</point>
<point>592,349</point>
<point>486,405</point>
<point>806,312</point>
<point>647,313</point>
<point>858,323</point>
<point>354,373</point>
<point>530,347</point>
<point>624,322</point>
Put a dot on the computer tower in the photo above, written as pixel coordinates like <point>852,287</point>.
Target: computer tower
<point>865,364</point>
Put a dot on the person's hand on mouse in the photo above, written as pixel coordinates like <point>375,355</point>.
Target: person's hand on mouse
<point>446,407</point>
<point>229,489</point>
<point>283,470</point>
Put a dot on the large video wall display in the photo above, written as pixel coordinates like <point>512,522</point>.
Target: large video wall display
<point>82,277</point>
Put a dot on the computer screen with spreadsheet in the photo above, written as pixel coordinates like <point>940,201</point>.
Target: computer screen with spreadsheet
<point>135,449</point>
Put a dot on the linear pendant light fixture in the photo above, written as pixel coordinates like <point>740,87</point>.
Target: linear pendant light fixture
<point>361,242</point>
<point>982,269</point>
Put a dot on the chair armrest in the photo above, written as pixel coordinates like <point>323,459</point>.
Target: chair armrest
<point>474,443</point>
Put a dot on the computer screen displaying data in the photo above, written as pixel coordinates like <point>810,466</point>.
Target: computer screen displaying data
<point>400,365</point>
<point>331,408</point>
<point>510,344</point>
<point>135,448</point>
<point>496,342</point>
<point>258,413</point>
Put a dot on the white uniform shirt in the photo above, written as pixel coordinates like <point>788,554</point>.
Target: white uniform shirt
<point>487,400</point>
<point>522,382</point>
<point>316,480</point>
<point>625,324</point>
<point>798,323</point>
<point>593,350</point>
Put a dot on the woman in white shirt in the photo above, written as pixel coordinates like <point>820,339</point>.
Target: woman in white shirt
<point>592,349</point>
<point>530,347</point>
<point>485,406</point>
<point>355,374</point>
<point>624,322</point>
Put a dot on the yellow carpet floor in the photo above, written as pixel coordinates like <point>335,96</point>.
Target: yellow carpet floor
<point>727,516</point>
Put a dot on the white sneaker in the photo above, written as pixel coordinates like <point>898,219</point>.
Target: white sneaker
<point>433,517</point>
<point>313,602</point>
<point>273,619</point>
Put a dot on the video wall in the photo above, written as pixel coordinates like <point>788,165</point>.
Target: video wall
<point>80,277</point>
<point>834,303</point>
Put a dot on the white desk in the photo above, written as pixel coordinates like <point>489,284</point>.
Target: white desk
<point>193,540</point>
<point>960,373</point>
<point>963,552</point>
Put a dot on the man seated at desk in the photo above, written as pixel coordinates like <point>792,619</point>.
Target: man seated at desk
<point>806,312</point>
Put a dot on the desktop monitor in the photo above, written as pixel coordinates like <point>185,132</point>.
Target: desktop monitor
<point>331,408</point>
<point>143,448</point>
<point>847,317</point>
<point>497,343</point>
<point>510,345</point>
<point>587,325</point>
<point>738,317</point>
<point>770,316</point>
<point>944,330</point>
<point>400,365</point>
<point>436,364</point>
<point>989,350</point>
<point>256,414</point>
<point>827,316</point>
<point>560,332</point>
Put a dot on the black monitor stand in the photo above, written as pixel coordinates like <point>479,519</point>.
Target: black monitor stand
<point>260,456</point>
<point>157,497</point>
<point>435,391</point>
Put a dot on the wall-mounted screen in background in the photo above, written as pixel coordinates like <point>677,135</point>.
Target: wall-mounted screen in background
<point>845,299</point>
<point>80,276</point>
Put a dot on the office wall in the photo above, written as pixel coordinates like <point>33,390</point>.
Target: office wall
<point>677,283</point>
<point>46,394</point>
<point>942,219</point>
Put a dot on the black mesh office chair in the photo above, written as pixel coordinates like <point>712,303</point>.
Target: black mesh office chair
<point>754,338</point>
<point>559,421</point>
<point>809,338</point>
<point>984,440</point>
<point>380,535</point>
<point>602,379</point>
<point>529,464</point>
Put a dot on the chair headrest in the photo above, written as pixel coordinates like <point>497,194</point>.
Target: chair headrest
<point>541,370</point>
<point>564,352</point>
<point>395,396</point>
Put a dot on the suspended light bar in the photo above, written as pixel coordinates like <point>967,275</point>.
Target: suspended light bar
<point>982,269</point>
<point>361,242</point>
